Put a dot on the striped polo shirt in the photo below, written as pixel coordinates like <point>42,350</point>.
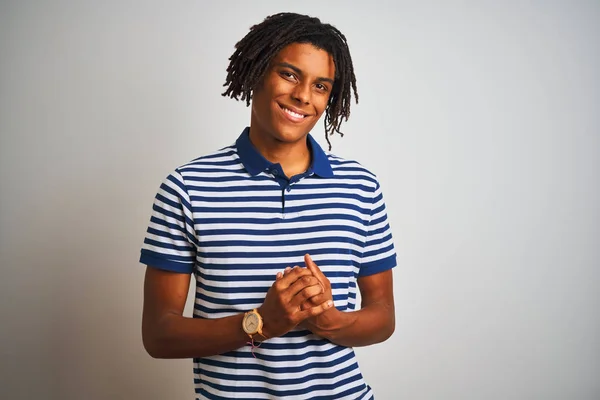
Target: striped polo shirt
<point>234,220</point>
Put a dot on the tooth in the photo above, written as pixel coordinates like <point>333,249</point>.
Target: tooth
<point>295,114</point>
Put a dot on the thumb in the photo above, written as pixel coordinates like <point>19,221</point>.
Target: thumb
<point>316,271</point>
<point>316,310</point>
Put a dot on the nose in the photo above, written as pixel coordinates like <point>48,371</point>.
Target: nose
<point>301,93</point>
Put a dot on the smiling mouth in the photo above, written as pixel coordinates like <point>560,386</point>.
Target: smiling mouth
<point>294,115</point>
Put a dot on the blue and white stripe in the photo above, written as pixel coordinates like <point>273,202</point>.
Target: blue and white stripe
<point>233,221</point>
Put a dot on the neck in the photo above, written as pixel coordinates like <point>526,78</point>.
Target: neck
<point>294,158</point>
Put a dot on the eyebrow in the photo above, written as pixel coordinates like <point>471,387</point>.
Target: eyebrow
<point>299,72</point>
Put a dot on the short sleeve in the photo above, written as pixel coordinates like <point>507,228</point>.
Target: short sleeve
<point>170,237</point>
<point>378,253</point>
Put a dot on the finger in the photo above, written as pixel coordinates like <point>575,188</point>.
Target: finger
<point>315,300</point>
<point>302,283</point>
<point>287,270</point>
<point>314,311</point>
<point>306,305</point>
<point>309,303</point>
<point>291,277</point>
<point>279,276</point>
<point>316,271</point>
<point>305,294</point>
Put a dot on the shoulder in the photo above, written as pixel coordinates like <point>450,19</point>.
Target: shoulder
<point>344,168</point>
<point>210,167</point>
<point>224,159</point>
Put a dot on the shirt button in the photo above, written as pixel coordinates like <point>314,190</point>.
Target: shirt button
<point>275,172</point>
<point>288,189</point>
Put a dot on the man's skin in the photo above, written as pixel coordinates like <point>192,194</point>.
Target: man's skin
<point>300,78</point>
<point>373,323</point>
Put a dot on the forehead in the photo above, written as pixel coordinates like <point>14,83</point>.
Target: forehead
<point>311,60</point>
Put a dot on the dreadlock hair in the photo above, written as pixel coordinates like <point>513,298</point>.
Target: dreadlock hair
<point>255,51</point>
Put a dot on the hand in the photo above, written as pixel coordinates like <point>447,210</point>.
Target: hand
<point>324,320</point>
<point>282,309</point>
<point>323,281</point>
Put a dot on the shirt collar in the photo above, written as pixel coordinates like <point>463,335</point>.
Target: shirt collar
<point>255,163</point>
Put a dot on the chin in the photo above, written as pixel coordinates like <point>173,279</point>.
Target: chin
<point>290,134</point>
<point>291,137</point>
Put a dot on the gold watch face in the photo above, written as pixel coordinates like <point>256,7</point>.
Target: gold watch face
<point>251,323</point>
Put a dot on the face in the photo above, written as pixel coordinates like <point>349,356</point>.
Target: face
<point>293,95</point>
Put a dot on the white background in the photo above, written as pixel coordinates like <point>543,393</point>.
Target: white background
<point>481,120</point>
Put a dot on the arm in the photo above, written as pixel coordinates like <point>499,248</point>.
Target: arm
<point>373,323</point>
<point>166,333</point>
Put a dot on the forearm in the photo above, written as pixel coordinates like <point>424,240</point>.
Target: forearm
<point>166,333</point>
<point>175,336</point>
<point>372,324</point>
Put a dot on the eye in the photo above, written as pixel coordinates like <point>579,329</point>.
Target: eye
<point>322,87</point>
<point>288,75</point>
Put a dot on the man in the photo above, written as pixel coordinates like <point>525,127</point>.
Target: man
<point>277,233</point>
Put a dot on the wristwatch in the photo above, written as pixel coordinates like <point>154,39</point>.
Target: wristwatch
<point>252,323</point>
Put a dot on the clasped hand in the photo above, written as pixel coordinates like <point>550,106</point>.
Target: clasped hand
<point>298,296</point>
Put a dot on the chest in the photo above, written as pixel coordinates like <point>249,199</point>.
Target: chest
<point>242,242</point>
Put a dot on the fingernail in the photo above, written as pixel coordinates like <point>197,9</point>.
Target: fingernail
<point>329,303</point>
